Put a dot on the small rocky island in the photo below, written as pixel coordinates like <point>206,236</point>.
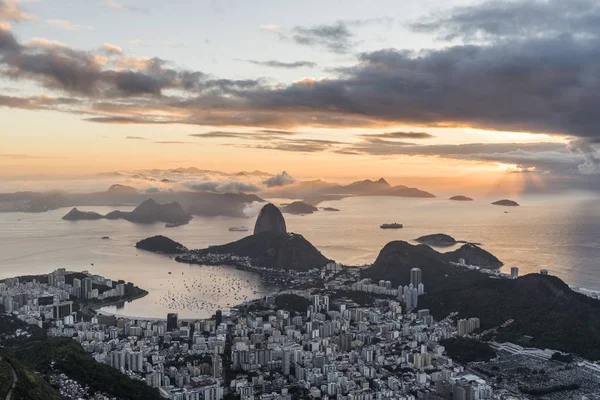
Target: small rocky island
<point>162,245</point>
<point>461,198</point>
<point>299,208</point>
<point>146,213</point>
<point>437,240</point>
<point>506,203</point>
<point>330,209</point>
<point>394,225</point>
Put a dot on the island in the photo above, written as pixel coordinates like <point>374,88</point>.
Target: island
<point>461,198</point>
<point>162,245</point>
<point>148,212</point>
<point>330,209</point>
<point>77,215</point>
<point>437,239</point>
<point>506,203</point>
<point>299,207</point>
<point>394,225</point>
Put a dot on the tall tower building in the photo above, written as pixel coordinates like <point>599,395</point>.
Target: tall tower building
<point>217,366</point>
<point>172,322</point>
<point>416,277</point>
<point>514,272</point>
<point>86,288</point>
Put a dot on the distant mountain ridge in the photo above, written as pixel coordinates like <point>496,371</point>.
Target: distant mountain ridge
<point>202,203</point>
<point>148,212</point>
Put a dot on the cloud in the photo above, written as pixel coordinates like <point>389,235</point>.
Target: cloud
<point>543,156</point>
<point>515,19</point>
<point>223,187</point>
<point>68,26</point>
<point>400,135</point>
<point>269,27</point>
<point>13,156</point>
<point>115,5</point>
<point>111,49</point>
<point>533,83</point>
<point>281,179</point>
<point>591,156</point>
<point>299,145</point>
<point>11,11</point>
<point>263,134</point>
<point>136,138</point>
<point>336,37</point>
<point>284,65</point>
<point>171,142</point>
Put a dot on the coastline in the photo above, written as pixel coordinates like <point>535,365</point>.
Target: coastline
<point>96,306</point>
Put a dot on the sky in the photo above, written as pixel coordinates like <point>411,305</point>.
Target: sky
<point>466,90</point>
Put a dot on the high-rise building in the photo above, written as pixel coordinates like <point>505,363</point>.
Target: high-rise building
<point>61,310</point>
<point>87,288</point>
<point>462,327</point>
<point>286,362</point>
<point>473,324</point>
<point>416,277</point>
<point>514,272</point>
<point>217,366</point>
<point>408,298</point>
<point>172,322</point>
<point>345,341</point>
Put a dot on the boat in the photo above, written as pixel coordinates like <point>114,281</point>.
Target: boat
<point>105,237</point>
<point>238,229</point>
<point>395,225</point>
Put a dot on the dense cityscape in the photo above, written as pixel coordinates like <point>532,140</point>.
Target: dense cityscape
<point>349,339</point>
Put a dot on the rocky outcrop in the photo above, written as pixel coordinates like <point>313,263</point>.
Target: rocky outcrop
<point>474,255</point>
<point>276,250</point>
<point>299,207</point>
<point>437,239</point>
<point>270,220</point>
<point>77,215</point>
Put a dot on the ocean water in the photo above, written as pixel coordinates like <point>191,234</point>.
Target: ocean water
<point>561,234</point>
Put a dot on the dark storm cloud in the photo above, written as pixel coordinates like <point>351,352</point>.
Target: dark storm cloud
<point>8,42</point>
<point>400,135</point>
<point>515,19</point>
<point>335,37</point>
<point>284,65</point>
<point>541,156</point>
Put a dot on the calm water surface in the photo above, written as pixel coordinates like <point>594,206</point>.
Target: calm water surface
<point>559,234</point>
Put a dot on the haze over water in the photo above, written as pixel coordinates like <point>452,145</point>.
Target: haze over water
<point>560,234</point>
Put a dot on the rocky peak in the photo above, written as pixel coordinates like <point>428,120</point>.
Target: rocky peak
<point>270,219</point>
